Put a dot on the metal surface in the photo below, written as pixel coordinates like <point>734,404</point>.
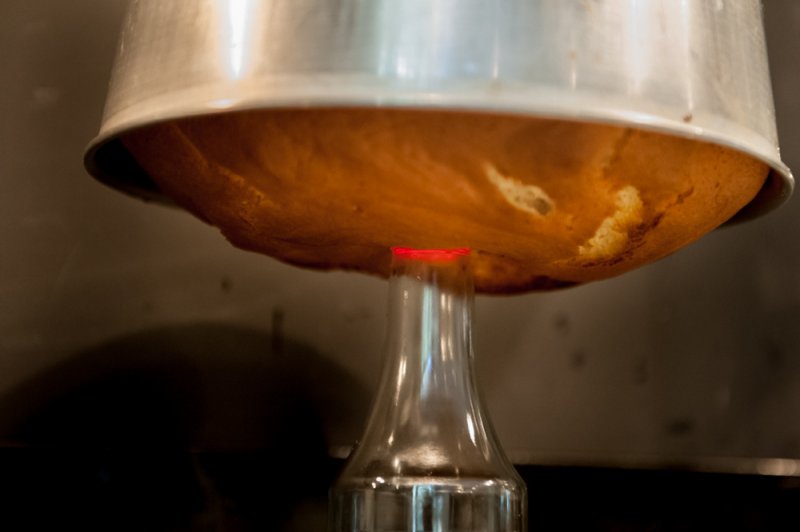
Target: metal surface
<point>696,68</point>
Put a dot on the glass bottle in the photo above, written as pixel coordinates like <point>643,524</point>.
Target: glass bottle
<point>428,460</point>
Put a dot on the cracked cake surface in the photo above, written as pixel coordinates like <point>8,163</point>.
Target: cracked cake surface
<point>543,203</point>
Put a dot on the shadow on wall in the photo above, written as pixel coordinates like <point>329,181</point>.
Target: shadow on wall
<point>196,427</point>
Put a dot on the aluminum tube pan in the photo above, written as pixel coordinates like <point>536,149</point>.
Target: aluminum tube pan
<point>694,68</point>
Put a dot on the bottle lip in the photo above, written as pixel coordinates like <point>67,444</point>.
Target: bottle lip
<point>431,254</point>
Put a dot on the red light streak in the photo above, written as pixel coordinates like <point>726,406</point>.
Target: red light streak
<point>431,254</point>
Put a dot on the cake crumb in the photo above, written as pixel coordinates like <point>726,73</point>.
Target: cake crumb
<point>612,235</point>
<point>525,197</point>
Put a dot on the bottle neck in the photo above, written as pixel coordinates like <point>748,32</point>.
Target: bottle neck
<point>428,459</point>
<point>426,418</point>
<point>429,340</point>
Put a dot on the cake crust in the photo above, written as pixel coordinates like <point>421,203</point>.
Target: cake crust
<point>543,203</point>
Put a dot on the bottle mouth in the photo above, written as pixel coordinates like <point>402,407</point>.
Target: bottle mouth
<point>431,255</point>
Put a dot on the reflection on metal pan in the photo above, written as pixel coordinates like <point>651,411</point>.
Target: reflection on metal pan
<point>696,68</point>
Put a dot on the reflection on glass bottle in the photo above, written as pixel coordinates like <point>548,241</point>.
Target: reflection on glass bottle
<point>428,459</point>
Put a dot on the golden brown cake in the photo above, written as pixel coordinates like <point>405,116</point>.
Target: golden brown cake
<point>543,203</point>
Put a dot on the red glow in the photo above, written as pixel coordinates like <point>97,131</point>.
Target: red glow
<point>431,254</point>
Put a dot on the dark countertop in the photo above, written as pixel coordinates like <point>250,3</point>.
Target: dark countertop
<point>167,490</point>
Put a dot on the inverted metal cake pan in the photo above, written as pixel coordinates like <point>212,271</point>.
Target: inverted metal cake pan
<point>694,68</point>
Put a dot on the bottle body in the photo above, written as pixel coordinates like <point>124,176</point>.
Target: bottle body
<point>428,504</point>
<point>428,459</point>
